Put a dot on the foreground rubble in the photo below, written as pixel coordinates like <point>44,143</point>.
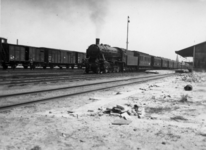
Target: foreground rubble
<point>156,115</point>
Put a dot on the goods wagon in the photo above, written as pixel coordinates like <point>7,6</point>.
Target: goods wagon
<point>155,62</point>
<point>34,57</point>
<point>179,65</point>
<point>80,58</point>
<point>144,60</point>
<point>170,64</point>
<point>175,65</point>
<point>12,55</point>
<point>164,63</point>
<point>58,58</point>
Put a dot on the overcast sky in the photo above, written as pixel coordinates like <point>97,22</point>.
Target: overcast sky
<point>157,27</point>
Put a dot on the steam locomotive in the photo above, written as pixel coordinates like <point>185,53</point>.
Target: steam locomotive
<point>104,58</point>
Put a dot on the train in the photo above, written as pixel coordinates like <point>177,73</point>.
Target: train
<point>12,55</point>
<point>99,58</point>
<point>102,58</point>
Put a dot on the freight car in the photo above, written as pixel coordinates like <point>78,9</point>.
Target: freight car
<point>144,60</point>
<point>58,58</point>
<point>156,62</point>
<point>28,56</point>
<point>12,55</point>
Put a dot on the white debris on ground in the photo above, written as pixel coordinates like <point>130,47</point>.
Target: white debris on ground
<point>160,71</point>
<point>155,115</point>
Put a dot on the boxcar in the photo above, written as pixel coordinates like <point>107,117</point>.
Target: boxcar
<point>170,64</point>
<point>156,62</point>
<point>80,58</point>
<point>71,59</point>
<point>58,58</point>
<point>164,63</point>
<point>179,65</point>
<point>13,55</point>
<point>33,57</point>
<point>175,65</point>
<point>144,60</point>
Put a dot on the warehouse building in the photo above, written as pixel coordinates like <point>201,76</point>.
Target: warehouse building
<point>198,52</point>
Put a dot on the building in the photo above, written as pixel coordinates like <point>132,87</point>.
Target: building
<point>198,52</point>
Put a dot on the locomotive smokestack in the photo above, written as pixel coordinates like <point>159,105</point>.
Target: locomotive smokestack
<point>97,41</point>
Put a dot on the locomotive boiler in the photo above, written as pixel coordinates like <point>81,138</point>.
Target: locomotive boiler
<point>104,58</point>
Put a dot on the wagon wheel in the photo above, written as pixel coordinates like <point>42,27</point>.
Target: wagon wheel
<point>106,70</point>
<point>117,69</point>
<point>98,70</point>
<point>87,70</point>
<point>5,66</point>
<point>13,66</point>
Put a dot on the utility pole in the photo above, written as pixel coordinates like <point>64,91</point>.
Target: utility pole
<point>128,21</point>
<point>0,18</point>
<point>194,56</point>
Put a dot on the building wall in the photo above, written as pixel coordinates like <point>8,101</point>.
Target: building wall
<point>200,56</point>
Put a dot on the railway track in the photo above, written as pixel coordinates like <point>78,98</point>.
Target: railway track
<point>21,99</point>
<point>72,77</point>
<point>7,76</point>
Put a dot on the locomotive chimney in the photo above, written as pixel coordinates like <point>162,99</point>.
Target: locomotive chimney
<point>97,41</point>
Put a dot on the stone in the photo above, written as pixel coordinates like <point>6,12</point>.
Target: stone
<point>202,131</point>
<point>115,114</point>
<point>36,148</point>
<point>188,87</point>
<point>116,110</point>
<point>163,143</point>
<point>120,106</point>
<point>70,112</point>
<point>118,93</point>
<point>125,116</point>
<point>121,122</point>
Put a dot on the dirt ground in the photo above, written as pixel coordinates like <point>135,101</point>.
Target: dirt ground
<point>168,118</point>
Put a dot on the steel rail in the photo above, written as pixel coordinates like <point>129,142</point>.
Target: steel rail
<point>70,87</point>
<point>62,78</point>
<point>79,93</point>
<point>11,76</point>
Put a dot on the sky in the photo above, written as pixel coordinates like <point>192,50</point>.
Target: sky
<point>157,27</point>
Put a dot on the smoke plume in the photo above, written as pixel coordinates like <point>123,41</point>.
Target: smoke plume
<point>96,10</point>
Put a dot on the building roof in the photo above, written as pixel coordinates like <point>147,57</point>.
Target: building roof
<point>187,52</point>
